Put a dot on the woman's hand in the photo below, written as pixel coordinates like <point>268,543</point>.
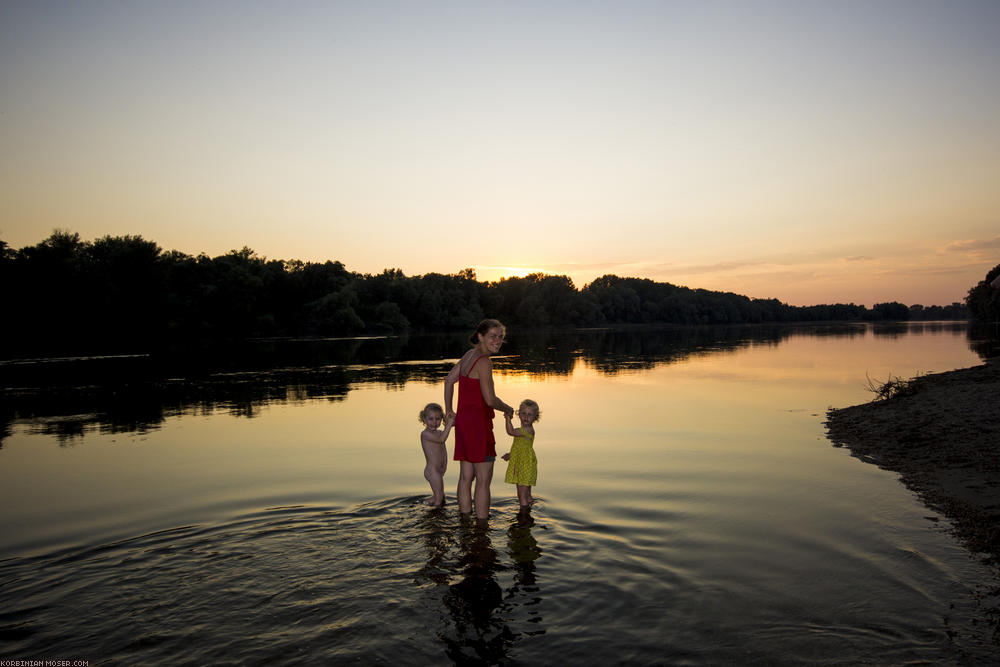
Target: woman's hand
<point>506,457</point>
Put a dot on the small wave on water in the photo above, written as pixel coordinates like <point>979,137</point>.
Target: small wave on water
<point>395,582</point>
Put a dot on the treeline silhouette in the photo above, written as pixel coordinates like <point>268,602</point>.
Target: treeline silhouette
<point>125,293</point>
<point>983,299</point>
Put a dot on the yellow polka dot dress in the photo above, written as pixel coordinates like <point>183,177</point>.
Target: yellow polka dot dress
<point>522,467</point>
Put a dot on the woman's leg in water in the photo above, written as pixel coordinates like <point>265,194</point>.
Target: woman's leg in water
<point>484,475</point>
<point>466,474</point>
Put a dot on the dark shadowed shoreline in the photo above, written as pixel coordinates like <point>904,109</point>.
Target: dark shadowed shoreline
<point>942,435</point>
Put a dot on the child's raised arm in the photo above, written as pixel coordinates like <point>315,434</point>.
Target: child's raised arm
<point>439,437</point>
<point>510,426</point>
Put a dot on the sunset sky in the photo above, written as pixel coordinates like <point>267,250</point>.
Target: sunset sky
<point>809,151</point>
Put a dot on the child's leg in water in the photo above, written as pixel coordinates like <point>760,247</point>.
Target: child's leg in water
<point>441,468</point>
<point>434,477</point>
<point>524,495</point>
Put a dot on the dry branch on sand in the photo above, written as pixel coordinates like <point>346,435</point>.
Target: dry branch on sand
<point>891,388</point>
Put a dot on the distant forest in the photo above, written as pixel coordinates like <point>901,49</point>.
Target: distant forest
<point>126,293</point>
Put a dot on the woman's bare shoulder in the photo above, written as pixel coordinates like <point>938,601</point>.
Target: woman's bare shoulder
<point>480,367</point>
<point>467,356</point>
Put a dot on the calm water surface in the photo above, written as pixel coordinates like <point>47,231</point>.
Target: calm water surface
<point>265,507</point>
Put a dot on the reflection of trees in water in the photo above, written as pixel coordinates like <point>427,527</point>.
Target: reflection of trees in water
<point>616,349</point>
<point>68,412</point>
<point>613,350</point>
<point>984,339</point>
<point>66,398</point>
<point>892,330</point>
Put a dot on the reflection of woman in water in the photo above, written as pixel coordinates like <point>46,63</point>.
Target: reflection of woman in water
<point>475,445</point>
<point>486,620</point>
<point>475,602</point>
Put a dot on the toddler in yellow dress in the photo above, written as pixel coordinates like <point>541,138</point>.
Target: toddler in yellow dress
<point>522,466</point>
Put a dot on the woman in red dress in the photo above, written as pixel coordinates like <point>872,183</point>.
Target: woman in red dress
<point>475,446</point>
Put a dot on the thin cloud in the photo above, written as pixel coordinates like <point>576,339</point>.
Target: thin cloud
<point>699,269</point>
<point>973,245</point>
<point>929,271</point>
<point>606,267</point>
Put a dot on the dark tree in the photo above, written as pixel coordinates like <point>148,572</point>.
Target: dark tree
<point>983,300</point>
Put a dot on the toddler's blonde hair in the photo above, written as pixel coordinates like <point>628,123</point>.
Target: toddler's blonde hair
<point>528,403</point>
<point>429,408</point>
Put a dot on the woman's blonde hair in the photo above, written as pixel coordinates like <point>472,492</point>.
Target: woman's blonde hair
<point>429,408</point>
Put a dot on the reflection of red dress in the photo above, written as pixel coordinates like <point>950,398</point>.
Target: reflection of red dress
<point>474,439</point>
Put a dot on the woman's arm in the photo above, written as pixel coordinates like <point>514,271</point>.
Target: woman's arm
<point>449,389</point>
<point>489,395</point>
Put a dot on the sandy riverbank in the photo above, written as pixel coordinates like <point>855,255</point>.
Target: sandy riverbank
<point>943,438</point>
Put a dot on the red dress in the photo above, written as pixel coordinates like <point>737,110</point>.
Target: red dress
<point>474,440</point>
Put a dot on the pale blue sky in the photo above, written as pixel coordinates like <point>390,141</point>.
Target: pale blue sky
<point>807,151</point>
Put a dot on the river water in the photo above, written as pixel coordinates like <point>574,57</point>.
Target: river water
<point>264,505</point>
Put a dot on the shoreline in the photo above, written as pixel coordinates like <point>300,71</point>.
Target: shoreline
<point>941,434</point>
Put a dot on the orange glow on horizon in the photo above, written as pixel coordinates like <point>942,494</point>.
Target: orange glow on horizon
<point>497,273</point>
